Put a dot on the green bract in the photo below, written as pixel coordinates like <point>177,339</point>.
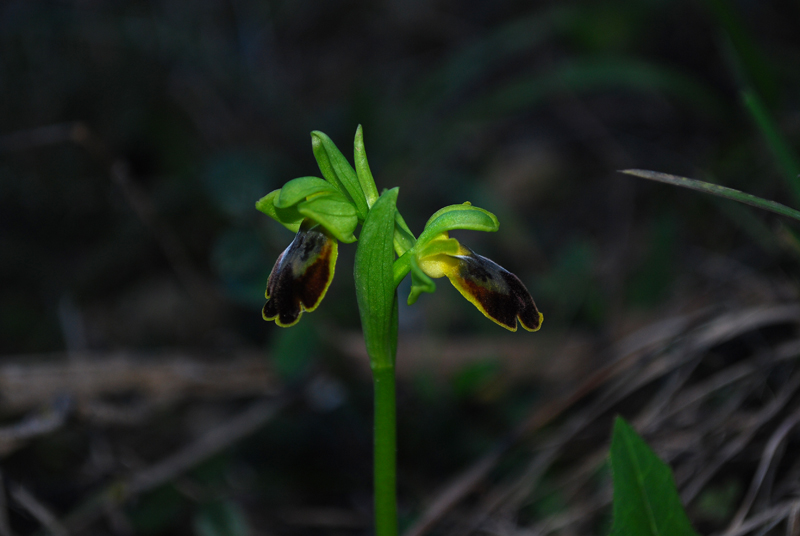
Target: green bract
<point>375,291</point>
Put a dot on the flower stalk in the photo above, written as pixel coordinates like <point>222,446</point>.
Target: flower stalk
<point>324,212</point>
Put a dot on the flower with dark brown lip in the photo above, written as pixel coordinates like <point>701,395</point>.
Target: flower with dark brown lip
<point>301,275</point>
<point>496,292</point>
<point>321,216</point>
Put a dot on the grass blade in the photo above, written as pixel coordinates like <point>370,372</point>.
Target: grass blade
<point>715,189</point>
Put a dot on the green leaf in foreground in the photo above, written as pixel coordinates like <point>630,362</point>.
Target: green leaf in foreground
<point>715,189</point>
<point>646,502</point>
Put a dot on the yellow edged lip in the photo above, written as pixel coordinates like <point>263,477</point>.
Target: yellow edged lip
<point>301,276</point>
<point>496,292</point>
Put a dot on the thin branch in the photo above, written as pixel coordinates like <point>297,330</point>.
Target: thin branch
<point>75,132</point>
<point>5,526</point>
<point>735,445</point>
<point>766,460</point>
<point>171,467</point>
<point>38,511</point>
<point>42,423</point>
<point>779,512</point>
<point>31,380</point>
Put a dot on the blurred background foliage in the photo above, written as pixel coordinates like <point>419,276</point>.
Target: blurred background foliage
<point>136,136</point>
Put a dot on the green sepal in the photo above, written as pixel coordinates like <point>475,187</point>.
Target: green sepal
<point>290,217</point>
<point>299,189</point>
<point>338,171</point>
<point>420,282</point>
<point>363,172</point>
<point>374,280</point>
<point>333,212</point>
<point>463,216</point>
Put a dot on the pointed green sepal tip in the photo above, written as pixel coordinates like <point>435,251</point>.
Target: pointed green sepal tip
<point>337,170</point>
<point>363,172</point>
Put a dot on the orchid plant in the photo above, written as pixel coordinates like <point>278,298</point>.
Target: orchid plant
<point>325,211</point>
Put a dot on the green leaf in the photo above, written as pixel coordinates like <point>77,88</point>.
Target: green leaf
<point>463,216</point>
<point>335,213</point>
<point>715,189</point>
<point>646,502</point>
<point>338,171</point>
<point>288,217</point>
<point>365,178</point>
<point>298,189</point>
<point>374,279</point>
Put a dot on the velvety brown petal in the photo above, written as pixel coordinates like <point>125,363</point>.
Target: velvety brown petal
<point>301,276</point>
<point>495,291</point>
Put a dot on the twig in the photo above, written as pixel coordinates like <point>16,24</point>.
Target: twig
<point>40,512</point>
<point>766,460</point>
<point>779,512</point>
<point>734,446</point>
<point>5,527</point>
<point>793,524</point>
<point>216,440</point>
<point>75,132</point>
<point>42,423</point>
<point>29,381</point>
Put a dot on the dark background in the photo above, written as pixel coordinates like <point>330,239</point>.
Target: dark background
<point>135,138</point>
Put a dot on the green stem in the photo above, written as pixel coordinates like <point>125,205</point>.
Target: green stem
<point>385,452</point>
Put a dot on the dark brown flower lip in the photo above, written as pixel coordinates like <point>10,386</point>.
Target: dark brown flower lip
<point>496,292</point>
<point>301,276</point>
